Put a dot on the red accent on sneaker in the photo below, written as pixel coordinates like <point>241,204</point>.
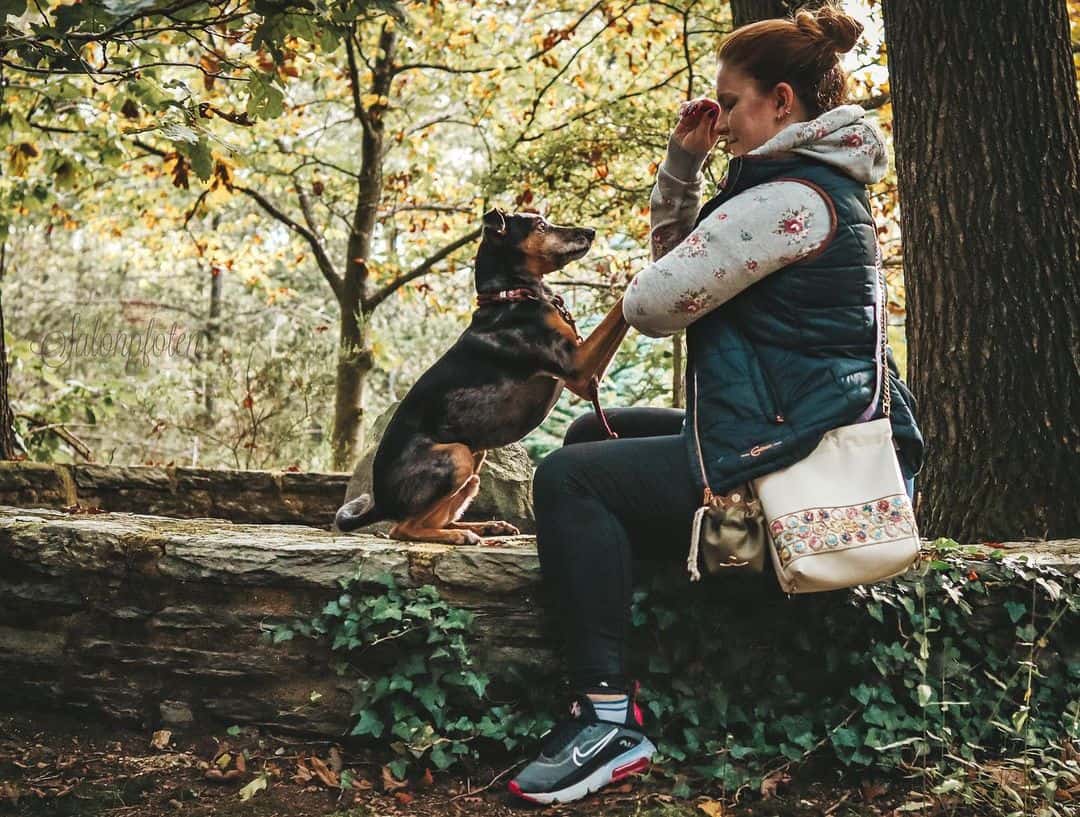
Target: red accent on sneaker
<point>516,790</point>
<point>639,716</point>
<point>634,767</point>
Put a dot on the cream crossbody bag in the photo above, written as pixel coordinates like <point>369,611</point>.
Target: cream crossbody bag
<point>841,517</point>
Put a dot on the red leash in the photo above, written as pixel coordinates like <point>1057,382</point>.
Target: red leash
<point>524,294</point>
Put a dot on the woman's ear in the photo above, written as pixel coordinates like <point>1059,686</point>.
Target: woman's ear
<point>784,99</point>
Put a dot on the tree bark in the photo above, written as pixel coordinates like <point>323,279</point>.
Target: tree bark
<point>987,128</point>
<point>8,447</point>
<point>354,350</point>
<point>750,11</point>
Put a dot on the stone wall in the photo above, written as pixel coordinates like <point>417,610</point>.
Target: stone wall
<point>154,620</point>
<point>186,493</point>
<point>256,497</point>
<point>161,621</point>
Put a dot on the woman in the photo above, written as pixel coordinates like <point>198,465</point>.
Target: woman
<point>775,281</point>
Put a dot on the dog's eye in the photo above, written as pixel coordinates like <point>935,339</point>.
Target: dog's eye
<point>541,227</point>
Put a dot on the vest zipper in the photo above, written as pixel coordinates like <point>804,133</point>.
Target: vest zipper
<point>697,444</point>
<point>777,417</point>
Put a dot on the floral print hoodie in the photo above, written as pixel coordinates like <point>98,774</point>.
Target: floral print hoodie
<point>755,233</point>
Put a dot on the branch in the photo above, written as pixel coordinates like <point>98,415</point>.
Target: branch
<point>871,103</point>
<point>400,69</point>
<point>571,29</point>
<point>326,266</point>
<point>125,22</point>
<point>424,268</point>
<point>603,106</point>
<point>354,81</point>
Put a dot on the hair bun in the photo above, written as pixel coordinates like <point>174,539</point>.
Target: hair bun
<point>837,30</point>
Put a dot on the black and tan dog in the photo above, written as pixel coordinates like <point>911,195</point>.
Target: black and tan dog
<point>492,387</point>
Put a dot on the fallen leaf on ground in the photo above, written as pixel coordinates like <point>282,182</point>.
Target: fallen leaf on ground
<point>303,773</point>
<point>161,738</point>
<point>403,797</point>
<point>714,808</point>
<point>256,785</point>
<point>427,781</point>
<point>872,790</point>
<point>389,782</point>
<point>334,760</point>
<point>241,763</point>
<point>773,782</point>
<point>323,772</point>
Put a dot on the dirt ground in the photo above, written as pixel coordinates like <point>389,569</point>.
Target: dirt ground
<point>54,764</point>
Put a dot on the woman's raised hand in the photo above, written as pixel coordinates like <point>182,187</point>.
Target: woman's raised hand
<point>698,128</point>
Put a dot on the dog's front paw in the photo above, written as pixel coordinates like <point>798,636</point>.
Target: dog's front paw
<point>498,528</point>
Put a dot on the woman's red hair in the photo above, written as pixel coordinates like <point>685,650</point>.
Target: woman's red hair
<point>803,52</point>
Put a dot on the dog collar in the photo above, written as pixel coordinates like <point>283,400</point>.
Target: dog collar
<point>506,296</point>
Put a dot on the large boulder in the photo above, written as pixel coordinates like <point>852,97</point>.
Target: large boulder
<point>505,482</point>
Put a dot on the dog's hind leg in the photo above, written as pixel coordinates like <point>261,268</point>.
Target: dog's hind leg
<point>493,528</point>
<point>436,523</point>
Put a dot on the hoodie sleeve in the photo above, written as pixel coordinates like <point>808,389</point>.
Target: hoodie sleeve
<point>675,200</point>
<point>751,235</point>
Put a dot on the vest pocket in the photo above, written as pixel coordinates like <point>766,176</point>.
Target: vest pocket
<point>770,403</point>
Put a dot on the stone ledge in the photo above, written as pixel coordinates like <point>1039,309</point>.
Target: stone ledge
<point>254,497</point>
<point>157,620</point>
<point>141,617</point>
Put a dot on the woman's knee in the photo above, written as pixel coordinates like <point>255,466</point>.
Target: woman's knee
<point>554,472</point>
<point>584,429</point>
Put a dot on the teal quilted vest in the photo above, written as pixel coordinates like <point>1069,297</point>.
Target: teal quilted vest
<point>792,356</point>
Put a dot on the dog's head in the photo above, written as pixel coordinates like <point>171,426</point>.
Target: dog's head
<point>527,245</point>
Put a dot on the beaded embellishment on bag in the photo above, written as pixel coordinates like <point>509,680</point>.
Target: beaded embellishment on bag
<point>823,529</point>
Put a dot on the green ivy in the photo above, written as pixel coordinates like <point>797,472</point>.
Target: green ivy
<point>418,689</point>
<point>961,659</point>
<point>973,662</point>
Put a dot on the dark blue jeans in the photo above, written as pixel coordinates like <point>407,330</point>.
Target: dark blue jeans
<point>600,504</point>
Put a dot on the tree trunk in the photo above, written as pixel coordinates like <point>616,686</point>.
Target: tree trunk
<point>354,352</point>
<point>750,11</point>
<point>8,448</point>
<point>987,127</point>
<point>210,333</point>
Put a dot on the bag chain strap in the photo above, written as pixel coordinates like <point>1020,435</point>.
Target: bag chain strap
<point>884,321</point>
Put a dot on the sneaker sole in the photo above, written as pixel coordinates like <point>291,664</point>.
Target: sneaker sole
<point>635,761</point>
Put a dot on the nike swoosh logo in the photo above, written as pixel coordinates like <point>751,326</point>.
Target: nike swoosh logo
<point>580,757</point>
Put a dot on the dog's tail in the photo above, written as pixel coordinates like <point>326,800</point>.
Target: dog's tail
<point>356,513</point>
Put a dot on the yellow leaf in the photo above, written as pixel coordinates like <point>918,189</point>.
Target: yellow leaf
<point>256,785</point>
<point>714,808</point>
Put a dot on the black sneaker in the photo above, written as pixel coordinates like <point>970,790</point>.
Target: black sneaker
<point>584,753</point>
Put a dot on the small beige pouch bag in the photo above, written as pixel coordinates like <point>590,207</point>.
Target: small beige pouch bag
<point>841,517</point>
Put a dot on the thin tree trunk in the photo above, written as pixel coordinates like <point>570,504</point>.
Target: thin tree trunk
<point>987,127</point>
<point>8,448</point>
<point>213,327</point>
<point>354,351</point>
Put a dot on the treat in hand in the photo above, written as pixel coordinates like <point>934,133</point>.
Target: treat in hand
<point>698,128</point>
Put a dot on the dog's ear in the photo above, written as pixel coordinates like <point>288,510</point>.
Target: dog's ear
<point>495,221</point>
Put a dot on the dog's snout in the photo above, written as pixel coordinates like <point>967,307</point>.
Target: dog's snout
<point>589,232</point>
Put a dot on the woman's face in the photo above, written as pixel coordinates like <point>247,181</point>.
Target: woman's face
<point>748,117</point>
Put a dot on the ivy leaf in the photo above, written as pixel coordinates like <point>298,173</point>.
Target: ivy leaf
<point>369,724</point>
<point>1015,610</point>
<point>925,693</point>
